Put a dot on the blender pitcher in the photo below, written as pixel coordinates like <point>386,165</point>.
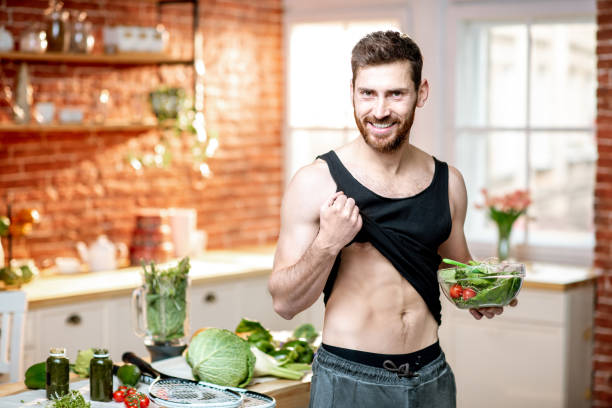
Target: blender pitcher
<point>160,309</point>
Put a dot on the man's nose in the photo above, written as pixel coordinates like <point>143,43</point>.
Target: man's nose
<point>381,109</point>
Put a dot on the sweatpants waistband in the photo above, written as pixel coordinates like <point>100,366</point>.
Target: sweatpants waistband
<point>415,360</point>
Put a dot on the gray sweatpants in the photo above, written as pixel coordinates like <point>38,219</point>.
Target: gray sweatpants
<point>339,383</point>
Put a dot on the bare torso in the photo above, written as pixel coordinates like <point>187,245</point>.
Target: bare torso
<point>372,307</point>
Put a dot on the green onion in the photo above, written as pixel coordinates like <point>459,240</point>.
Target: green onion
<point>456,263</point>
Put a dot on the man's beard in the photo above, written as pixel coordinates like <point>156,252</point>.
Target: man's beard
<point>387,145</point>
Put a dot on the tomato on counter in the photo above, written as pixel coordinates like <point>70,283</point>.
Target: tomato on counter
<point>119,395</point>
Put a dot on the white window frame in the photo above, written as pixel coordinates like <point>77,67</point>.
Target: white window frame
<point>514,11</point>
<point>321,13</point>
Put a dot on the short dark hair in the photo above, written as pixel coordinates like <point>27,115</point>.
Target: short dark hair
<point>384,47</point>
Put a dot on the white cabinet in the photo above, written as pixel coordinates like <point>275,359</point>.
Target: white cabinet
<point>123,337</point>
<point>537,354</point>
<point>73,326</point>
<point>106,321</point>
<point>214,305</point>
<point>224,304</point>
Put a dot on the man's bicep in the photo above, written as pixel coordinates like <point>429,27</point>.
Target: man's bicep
<point>300,217</point>
<point>293,242</point>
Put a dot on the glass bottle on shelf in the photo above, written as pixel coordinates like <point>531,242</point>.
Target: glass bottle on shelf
<point>33,38</point>
<point>81,37</point>
<point>58,33</point>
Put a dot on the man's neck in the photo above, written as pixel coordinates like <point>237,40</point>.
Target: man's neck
<point>391,163</point>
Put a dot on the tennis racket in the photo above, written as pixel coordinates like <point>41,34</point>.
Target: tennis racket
<point>169,391</point>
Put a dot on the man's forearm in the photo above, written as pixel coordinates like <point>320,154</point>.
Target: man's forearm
<point>297,287</point>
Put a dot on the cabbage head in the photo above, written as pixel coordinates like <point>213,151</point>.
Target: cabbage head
<point>81,365</point>
<point>221,357</point>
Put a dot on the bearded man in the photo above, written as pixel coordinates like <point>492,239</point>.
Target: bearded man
<point>368,224</point>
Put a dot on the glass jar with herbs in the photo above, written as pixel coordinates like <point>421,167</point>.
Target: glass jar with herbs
<point>101,376</point>
<point>160,306</point>
<point>58,373</point>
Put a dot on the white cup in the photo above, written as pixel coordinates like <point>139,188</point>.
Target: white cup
<point>45,111</point>
<point>183,224</point>
<point>199,240</point>
<point>67,265</point>
<point>71,115</point>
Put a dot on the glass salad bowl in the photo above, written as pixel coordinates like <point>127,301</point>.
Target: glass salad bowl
<point>484,284</point>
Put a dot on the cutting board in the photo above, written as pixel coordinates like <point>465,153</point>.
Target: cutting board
<point>288,393</point>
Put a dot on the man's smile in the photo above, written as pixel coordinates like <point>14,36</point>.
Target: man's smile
<point>381,128</point>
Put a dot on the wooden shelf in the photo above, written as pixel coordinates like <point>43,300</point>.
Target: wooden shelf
<point>96,59</point>
<point>76,127</point>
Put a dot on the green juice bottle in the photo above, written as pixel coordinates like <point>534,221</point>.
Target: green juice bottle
<point>57,373</point>
<point>101,376</point>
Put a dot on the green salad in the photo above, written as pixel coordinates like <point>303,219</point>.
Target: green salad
<point>481,284</point>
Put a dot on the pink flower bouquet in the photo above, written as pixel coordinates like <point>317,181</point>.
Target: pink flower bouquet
<point>504,210</point>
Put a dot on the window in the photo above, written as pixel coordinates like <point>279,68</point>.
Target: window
<point>525,114</point>
<point>320,112</point>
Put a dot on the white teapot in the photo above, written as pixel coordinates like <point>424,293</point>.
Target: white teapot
<point>102,254</point>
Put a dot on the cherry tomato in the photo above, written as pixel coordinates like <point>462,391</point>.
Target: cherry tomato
<point>122,388</point>
<point>132,401</point>
<point>456,291</point>
<point>119,395</point>
<point>468,293</point>
<point>131,391</point>
<point>144,400</point>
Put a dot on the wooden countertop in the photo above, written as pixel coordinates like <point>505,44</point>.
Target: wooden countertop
<point>557,277</point>
<point>227,265</point>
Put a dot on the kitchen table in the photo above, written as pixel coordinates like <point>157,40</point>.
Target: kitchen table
<point>288,394</point>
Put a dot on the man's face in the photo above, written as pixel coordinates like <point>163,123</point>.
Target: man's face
<point>384,101</point>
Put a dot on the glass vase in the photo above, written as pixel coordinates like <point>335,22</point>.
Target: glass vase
<point>503,240</point>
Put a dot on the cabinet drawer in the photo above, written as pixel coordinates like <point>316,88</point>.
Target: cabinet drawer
<point>213,305</point>
<point>538,305</point>
<point>75,327</point>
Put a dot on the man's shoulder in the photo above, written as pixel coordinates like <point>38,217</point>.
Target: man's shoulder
<point>312,182</point>
<point>455,178</point>
<point>315,172</point>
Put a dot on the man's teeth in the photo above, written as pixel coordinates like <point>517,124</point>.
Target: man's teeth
<point>381,125</point>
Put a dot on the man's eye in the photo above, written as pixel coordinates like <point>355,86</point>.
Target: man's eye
<point>396,94</point>
<point>366,93</point>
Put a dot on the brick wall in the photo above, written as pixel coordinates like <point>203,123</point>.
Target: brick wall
<point>81,182</point>
<point>602,360</point>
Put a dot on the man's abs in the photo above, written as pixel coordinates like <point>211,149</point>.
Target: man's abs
<point>373,308</point>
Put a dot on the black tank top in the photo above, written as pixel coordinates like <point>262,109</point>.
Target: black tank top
<point>406,231</point>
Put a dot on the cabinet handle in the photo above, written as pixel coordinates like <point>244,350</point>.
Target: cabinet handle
<point>73,320</point>
<point>210,297</point>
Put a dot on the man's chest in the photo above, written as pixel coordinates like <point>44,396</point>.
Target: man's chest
<point>394,186</point>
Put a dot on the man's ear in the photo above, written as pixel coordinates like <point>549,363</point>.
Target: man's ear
<point>352,89</point>
<point>423,93</point>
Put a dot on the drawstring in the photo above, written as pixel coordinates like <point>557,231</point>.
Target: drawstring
<point>401,371</point>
